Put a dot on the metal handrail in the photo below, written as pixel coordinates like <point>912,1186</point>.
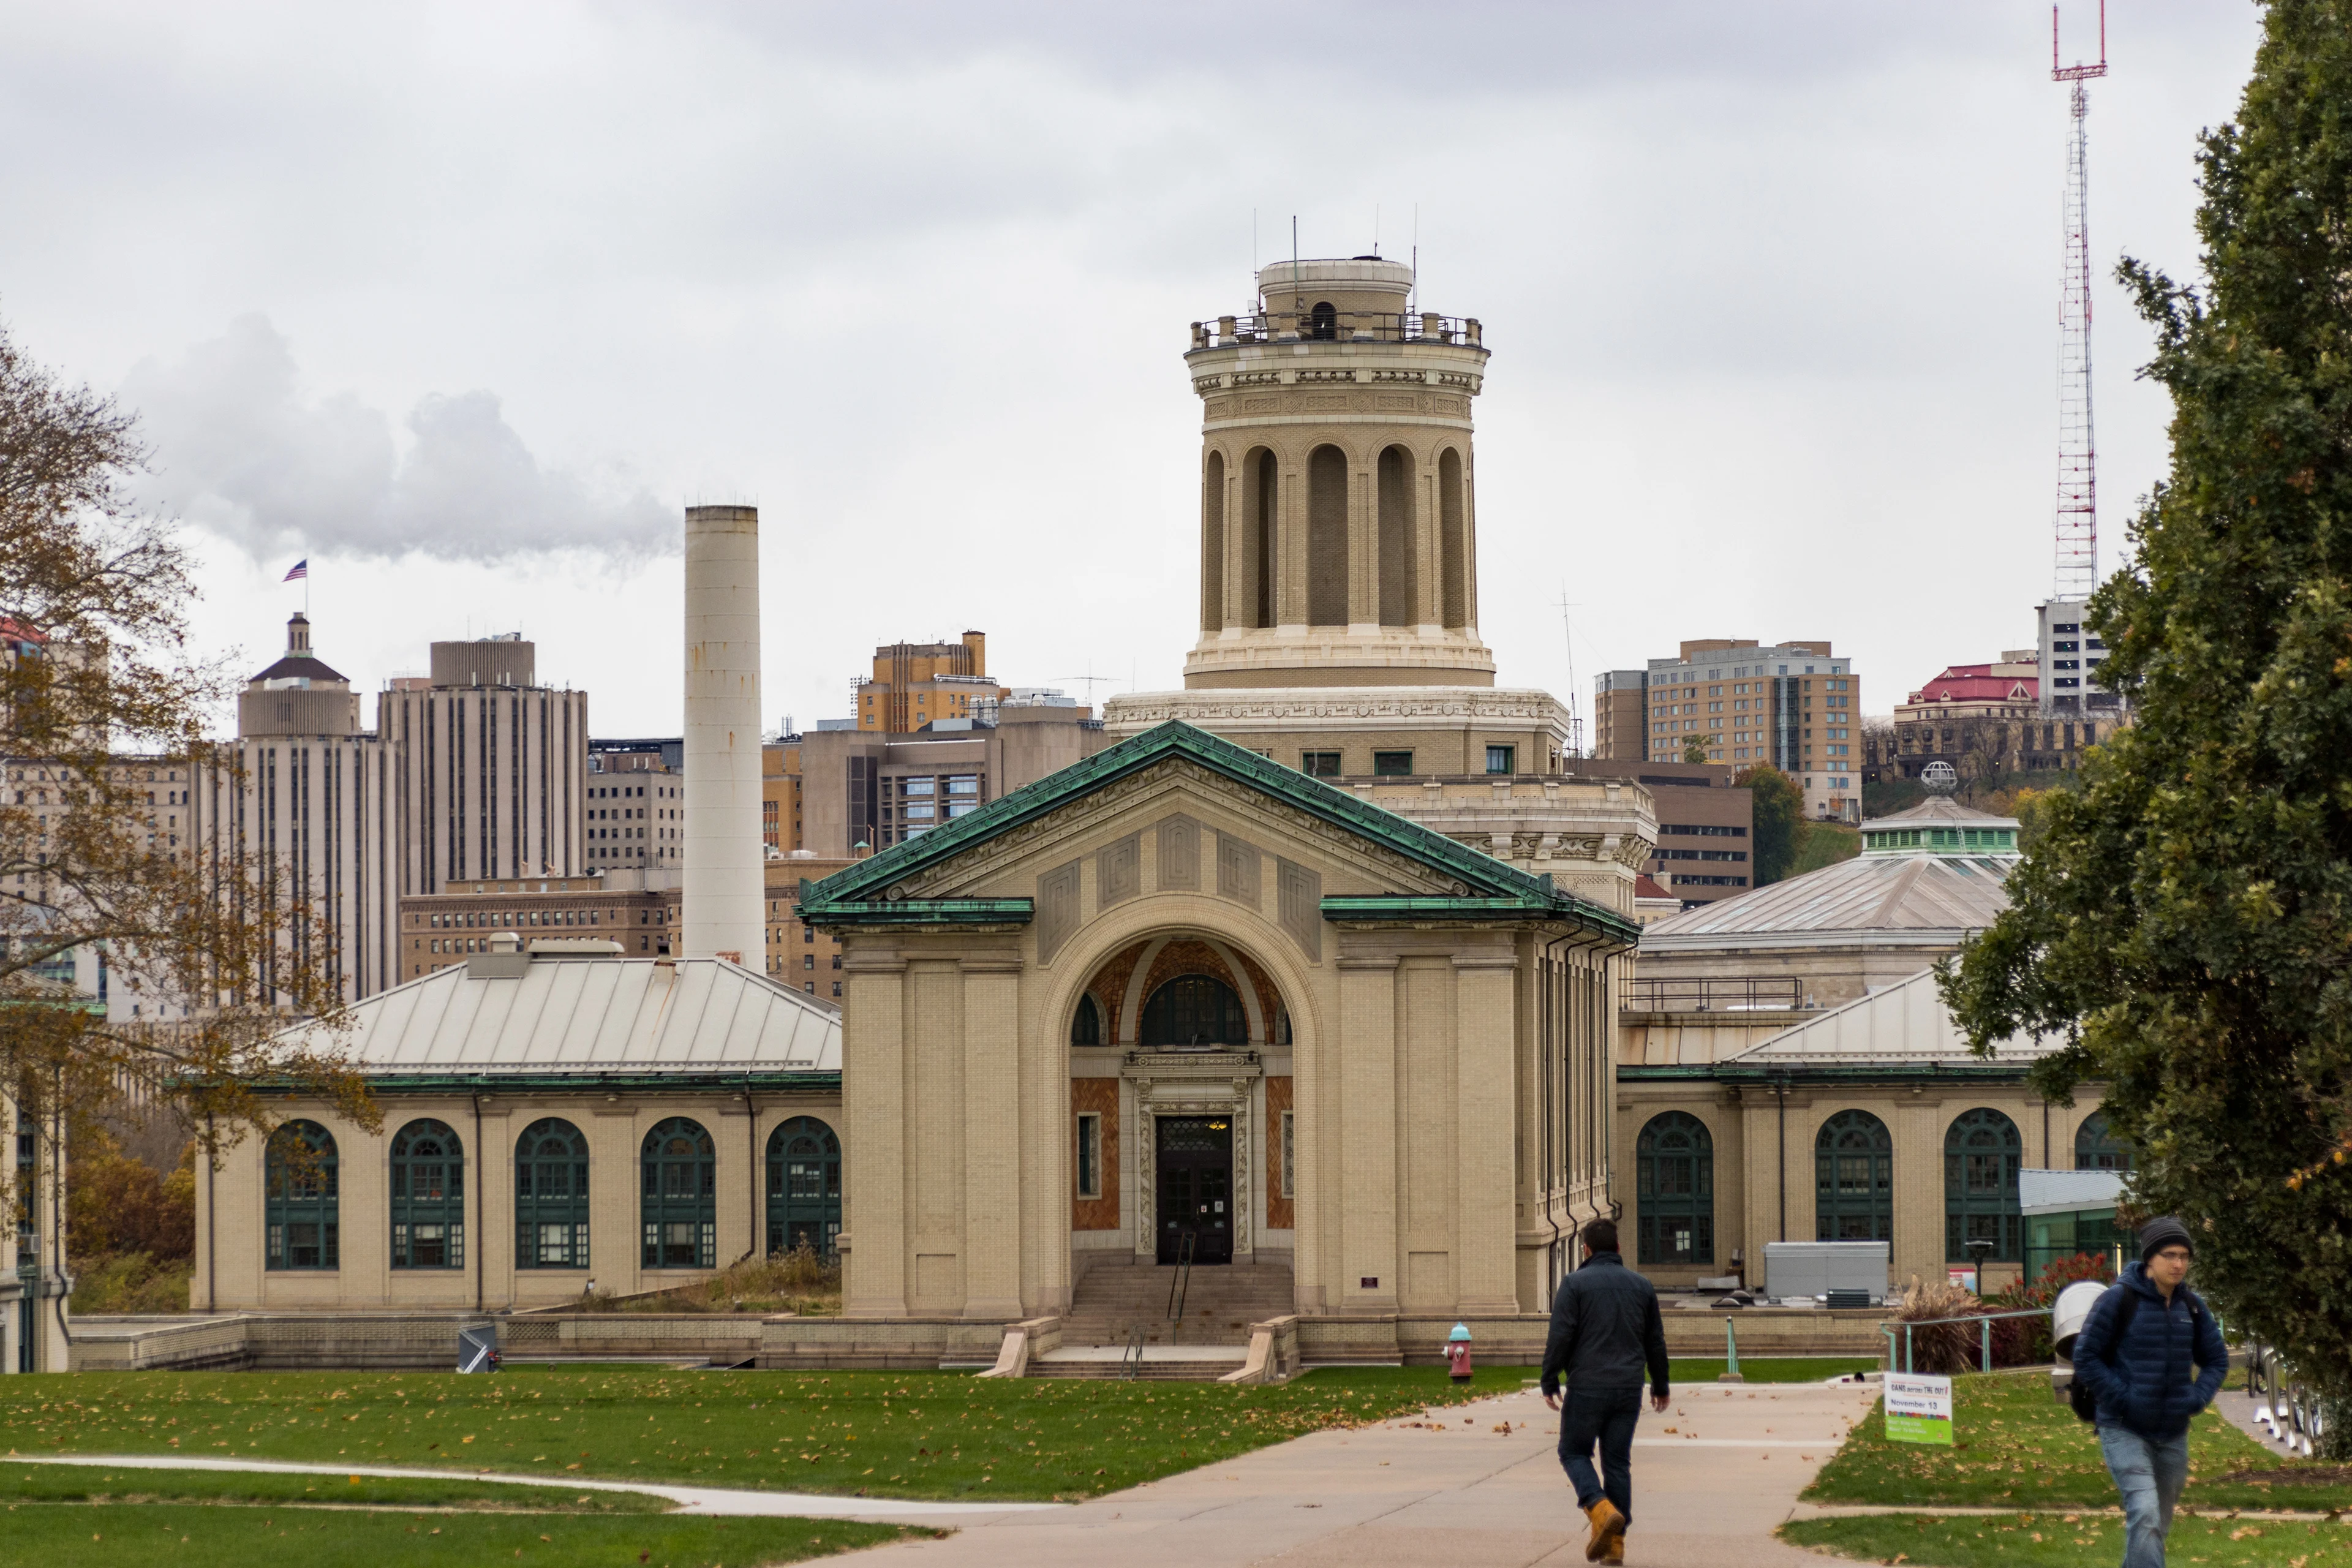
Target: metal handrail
<point>1910,1365</point>
<point>2298,1418</point>
<point>1131,1360</point>
<point>1179,1286</point>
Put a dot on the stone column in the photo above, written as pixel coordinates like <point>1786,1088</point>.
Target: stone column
<point>1241,603</point>
<point>874,1136</point>
<point>1486,1228</point>
<point>1363,548</point>
<point>615,1245</point>
<point>1429,582</point>
<point>1290,556</point>
<point>994,1137</point>
<point>1363,1167</point>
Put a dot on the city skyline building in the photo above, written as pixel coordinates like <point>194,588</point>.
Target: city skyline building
<point>1794,705</point>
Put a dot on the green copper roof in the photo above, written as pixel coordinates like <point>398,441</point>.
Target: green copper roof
<point>1496,889</point>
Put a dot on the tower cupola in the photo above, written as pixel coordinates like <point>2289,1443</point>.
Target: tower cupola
<point>1339,542</point>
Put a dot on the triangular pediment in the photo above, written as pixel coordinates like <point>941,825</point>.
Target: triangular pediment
<point>1372,863</point>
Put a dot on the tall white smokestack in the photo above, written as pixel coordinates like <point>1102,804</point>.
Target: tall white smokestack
<point>725,880</point>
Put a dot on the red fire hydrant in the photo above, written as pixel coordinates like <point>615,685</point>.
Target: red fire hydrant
<point>1457,1352</point>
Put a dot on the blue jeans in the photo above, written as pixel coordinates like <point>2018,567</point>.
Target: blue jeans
<point>1607,1415</point>
<point>2150,1473</point>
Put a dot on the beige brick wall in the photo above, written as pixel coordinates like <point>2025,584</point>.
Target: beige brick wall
<point>230,1272</point>
<point>1746,1127</point>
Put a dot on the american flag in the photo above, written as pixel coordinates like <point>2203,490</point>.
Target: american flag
<point>301,569</point>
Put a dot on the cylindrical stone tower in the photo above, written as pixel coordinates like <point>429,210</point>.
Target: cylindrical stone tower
<point>1339,541</point>
<point>723,903</point>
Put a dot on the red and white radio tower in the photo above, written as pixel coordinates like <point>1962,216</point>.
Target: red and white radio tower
<point>2078,455</point>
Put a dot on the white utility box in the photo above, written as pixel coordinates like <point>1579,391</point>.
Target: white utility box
<point>1818,1267</point>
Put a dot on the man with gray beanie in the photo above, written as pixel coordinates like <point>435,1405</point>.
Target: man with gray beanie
<point>2151,1357</point>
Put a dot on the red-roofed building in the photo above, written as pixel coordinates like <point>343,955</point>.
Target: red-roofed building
<point>1984,720</point>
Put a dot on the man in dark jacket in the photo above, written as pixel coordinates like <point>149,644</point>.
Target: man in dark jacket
<point>1606,1330</point>
<point>2152,1357</point>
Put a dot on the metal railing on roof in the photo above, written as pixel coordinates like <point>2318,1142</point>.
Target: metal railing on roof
<point>1337,326</point>
<point>1738,994</point>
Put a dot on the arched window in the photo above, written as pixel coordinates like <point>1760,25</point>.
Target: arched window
<point>551,1197</point>
<point>2097,1148</point>
<point>1213,543</point>
<point>1453,540</point>
<point>1674,1164</point>
<point>302,1208</point>
<point>1327,537</point>
<point>1981,1153</point>
<point>428,1197</point>
<point>804,1187</point>
<point>1400,547</point>
<point>1854,1179</point>
<point>680,1204</point>
<point>1086,1023</point>
<point>1195,1010</point>
<point>1323,321</point>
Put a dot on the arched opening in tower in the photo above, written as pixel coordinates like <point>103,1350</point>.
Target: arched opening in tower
<point>1327,537</point>
<point>1324,321</point>
<point>1213,543</point>
<point>1258,537</point>
<point>1454,542</point>
<point>1399,598</point>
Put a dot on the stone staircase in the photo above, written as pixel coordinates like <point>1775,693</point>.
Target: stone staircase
<point>1220,1303</point>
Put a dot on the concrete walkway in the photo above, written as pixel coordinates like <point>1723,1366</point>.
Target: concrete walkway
<point>689,1499</point>
<point>1711,1478</point>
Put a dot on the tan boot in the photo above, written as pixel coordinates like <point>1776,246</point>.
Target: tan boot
<point>1608,1527</point>
<point>1616,1549</point>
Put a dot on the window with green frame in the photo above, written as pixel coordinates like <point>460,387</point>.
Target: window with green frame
<point>804,1187</point>
<point>1674,1166</point>
<point>299,1203</point>
<point>1982,1152</point>
<point>1854,1179</point>
<point>551,1197</point>
<point>679,1203</point>
<point>2096,1147</point>
<point>428,1197</point>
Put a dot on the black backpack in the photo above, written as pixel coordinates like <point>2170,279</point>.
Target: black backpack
<point>2078,1395</point>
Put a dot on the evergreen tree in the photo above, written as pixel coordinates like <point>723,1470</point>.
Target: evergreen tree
<point>2184,919</point>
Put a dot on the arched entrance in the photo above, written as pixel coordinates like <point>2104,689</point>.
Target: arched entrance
<point>1169,1044</point>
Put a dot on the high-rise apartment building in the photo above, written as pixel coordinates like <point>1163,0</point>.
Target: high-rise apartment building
<point>1797,706</point>
<point>492,767</point>
<point>1621,715</point>
<point>917,683</point>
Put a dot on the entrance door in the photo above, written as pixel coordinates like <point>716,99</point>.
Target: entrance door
<point>1196,1187</point>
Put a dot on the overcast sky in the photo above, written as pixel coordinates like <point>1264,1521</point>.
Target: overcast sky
<point>465,302</point>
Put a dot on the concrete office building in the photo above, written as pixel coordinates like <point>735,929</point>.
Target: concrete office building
<point>492,767</point>
<point>441,931</point>
<point>319,800</point>
<point>1705,826</point>
<point>634,822</point>
<point>871,788</point>
<point>2068,654</point>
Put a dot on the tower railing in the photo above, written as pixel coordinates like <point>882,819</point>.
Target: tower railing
<point>1342,326</point>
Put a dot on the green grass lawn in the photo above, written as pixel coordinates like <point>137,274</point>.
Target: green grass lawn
<point>1769,1369</point>
<point>118,1483</point>
<point>917,1435</point>
<point>2015,1444</point>
<point>75,1535</point>
<point>2049,1539</point>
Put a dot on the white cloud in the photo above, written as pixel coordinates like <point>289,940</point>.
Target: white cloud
<point>240,451</point>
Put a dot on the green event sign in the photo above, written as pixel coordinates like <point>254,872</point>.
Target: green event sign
<point>1918,1409</point>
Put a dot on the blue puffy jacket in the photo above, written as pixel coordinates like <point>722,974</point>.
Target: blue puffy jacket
<point>2167,1365</point>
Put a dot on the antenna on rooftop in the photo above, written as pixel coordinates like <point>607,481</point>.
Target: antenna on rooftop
<point>1567,637</point>
<point>2077,564</point>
